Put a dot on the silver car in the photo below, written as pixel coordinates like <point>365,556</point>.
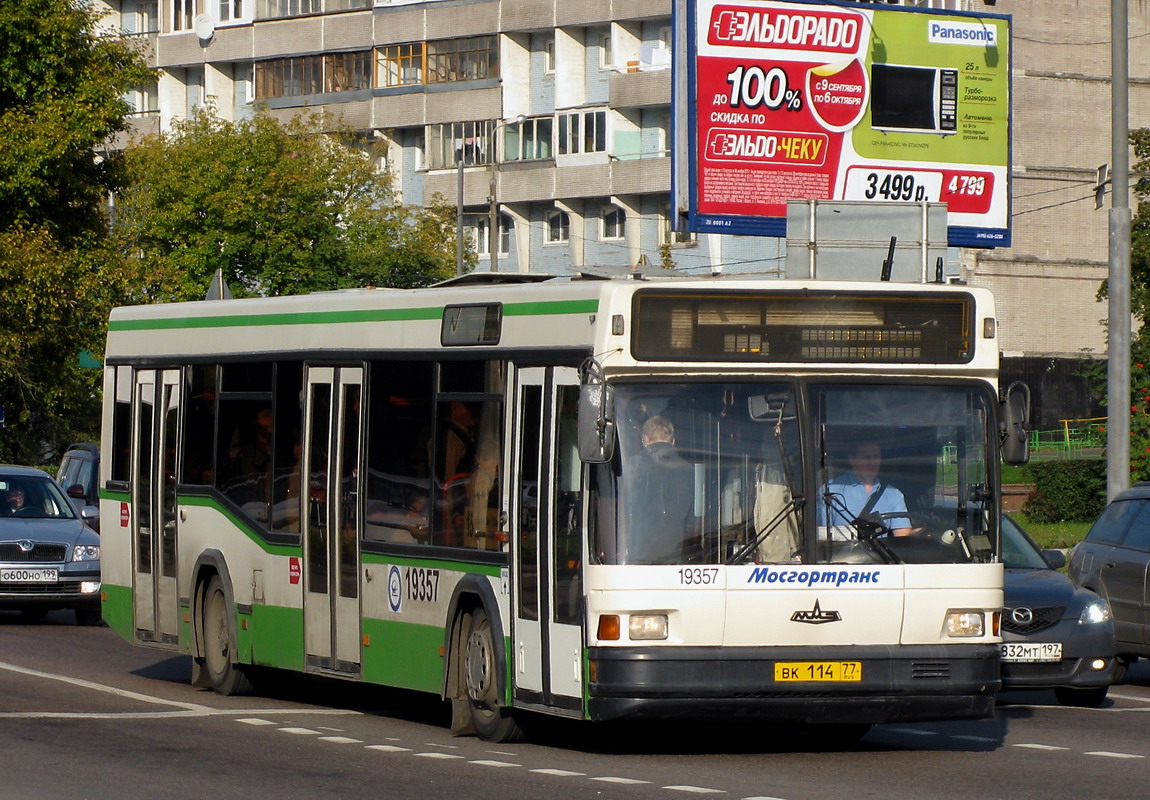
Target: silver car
<point>49,557</point>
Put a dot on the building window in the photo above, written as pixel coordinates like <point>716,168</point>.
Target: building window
<point>271,9</point>
<point>139,16</point>
<point>144,99</point>
<point>558,227</point>
<point>483,237</point>
<point>228,10</point>
<point>346,5</point>
<point>304,75</point>
<point>344,72</point>
<point>401,64</point>
<point>528,140</point>
<point>582,132</point>
<point>470,59</point>
<point>549,55</point>
<point>613,222</point>
<point>446,142</point>
<point>606,50</point>
<point>182,13</point>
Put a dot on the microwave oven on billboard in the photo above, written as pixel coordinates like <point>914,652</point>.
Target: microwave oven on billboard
<point>914,99</point>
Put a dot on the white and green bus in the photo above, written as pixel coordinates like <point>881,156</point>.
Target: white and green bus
<point>448,490</point>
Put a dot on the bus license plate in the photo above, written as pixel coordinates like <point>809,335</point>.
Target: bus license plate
<point>824,671</point>
<point>29,575</point>
<point>1031,651</point>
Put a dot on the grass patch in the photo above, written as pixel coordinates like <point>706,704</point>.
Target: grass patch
<point>1057,535</point>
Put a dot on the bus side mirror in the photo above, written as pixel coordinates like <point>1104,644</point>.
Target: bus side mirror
<point>1014,426</point>
<point>596,423</point>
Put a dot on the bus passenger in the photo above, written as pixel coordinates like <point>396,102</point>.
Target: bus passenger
<point>662,497</point>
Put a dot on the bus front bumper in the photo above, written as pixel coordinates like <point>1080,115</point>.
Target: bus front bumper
<point>896,684</point>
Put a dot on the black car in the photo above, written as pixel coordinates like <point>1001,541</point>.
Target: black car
<point>49,557</point>
<point>1055,635</point>
<point>1114,560</point>
<point>79,476</point>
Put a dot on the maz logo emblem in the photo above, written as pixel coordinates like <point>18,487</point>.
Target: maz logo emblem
<point>816,616</point>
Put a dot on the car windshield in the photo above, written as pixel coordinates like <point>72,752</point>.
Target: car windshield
<point>1018,551</point>
<point>33,497</point>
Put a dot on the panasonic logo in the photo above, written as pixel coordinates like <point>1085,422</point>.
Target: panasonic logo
<point>970,33</point>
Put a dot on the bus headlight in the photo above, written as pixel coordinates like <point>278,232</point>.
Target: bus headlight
<point>1096,611</point>
<point>647,626</point>
<point>963,623</point>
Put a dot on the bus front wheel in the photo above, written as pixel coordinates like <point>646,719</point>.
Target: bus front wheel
<point>492,722</point>
<point>224,675</point>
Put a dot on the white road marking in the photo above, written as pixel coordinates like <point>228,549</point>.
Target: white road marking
<point>255,721</point>
<point>340,740</point>
<point>628,781</point>
<point>1041,747</point>
<point>388,748</point>
<point>437,755</point>
<point>695,789</point>
<point>562,773</point>
<point>299,731</point>
<point>1106,754</point>
<point>188,709</point>
<point>489,763</point>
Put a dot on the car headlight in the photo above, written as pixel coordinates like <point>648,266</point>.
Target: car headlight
<point>86,552</point>
<point>1094,612</point>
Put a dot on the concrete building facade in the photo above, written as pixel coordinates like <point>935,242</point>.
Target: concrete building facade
<point>560,115</point>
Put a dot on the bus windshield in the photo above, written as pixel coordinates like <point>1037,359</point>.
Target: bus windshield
<point>732,473</point>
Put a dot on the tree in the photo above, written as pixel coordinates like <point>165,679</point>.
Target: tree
<point>281,208</point>
<point>1140,308</point>
<point>62,83</point>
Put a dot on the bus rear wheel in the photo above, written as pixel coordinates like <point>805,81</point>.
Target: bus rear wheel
<point>492,722</point>
<point>224,675</point>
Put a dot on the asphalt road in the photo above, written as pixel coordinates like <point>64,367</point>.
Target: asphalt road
<point>85,715</point>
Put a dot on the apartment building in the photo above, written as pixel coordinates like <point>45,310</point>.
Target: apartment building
<point>555,117</point>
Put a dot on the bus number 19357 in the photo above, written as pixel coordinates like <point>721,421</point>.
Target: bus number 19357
<point>422,585</point>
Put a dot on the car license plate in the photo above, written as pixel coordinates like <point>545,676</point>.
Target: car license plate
<point>822,671</point>
<point>29,575</point>
<point>1031,651</point>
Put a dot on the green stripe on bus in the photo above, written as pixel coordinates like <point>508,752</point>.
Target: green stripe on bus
<point>274,637</point>
<point>403,654</point>
<point>116,609</point>
<point>462,565</point>
<point>543,308</point>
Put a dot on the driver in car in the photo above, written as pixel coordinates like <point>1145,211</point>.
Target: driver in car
<point>15,499</point>
<point>861,494</point>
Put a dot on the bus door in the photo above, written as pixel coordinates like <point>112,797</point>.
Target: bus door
<point>156,407</point>
<point>548,553</point>
<point>331,551</point>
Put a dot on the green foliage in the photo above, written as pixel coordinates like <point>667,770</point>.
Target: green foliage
<point>1067,490</point>
<point>61,101</point>
<point>281,208</point>
<point>1055,535</point>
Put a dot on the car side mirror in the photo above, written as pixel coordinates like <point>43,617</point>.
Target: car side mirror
<point>596,423</point>
<point>1056,559</point>
<point>75,490</point>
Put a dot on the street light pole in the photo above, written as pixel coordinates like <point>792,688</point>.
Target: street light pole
<point>1118,285</point>
<point>493,226</point>
<point>459,210</point>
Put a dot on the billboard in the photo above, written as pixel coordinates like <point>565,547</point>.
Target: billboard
<point>789,99</point>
